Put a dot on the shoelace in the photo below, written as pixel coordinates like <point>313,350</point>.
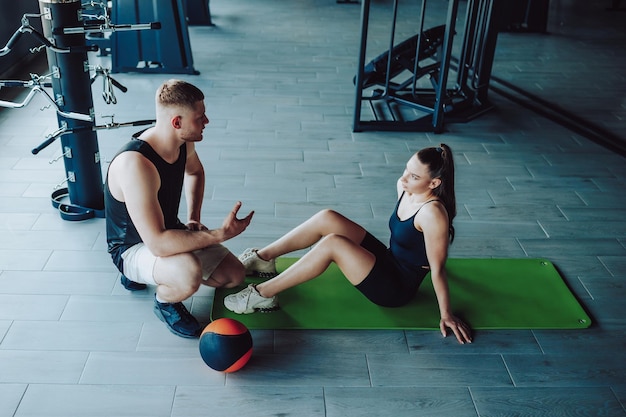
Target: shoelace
<point>248,254</point>
<point>244,296</point>
<point>186,315</point>
<point>180,312</point>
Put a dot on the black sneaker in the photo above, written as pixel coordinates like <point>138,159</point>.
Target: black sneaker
<point>178,319</point>
<point>132,285</point>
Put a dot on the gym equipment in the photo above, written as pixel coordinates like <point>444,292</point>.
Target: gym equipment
<point>198,12</point>
<point>166,51</point>
<point>20,54</point>
<point>428,54</point>
<point>63,37</point>
<point>404,58</point>
<point>72,90</point>
<point>108,94</point>
<point>97,14</point>
<point>523,293</point>
<point>225,345</point>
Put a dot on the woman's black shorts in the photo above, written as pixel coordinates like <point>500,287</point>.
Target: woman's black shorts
<point>387,284</point>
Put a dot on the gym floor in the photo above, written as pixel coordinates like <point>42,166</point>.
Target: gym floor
<point>278,79</point>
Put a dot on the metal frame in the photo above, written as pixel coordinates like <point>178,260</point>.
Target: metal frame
<point>467,100</point>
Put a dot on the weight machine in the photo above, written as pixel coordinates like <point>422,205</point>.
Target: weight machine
<point>70,78</point>
<point>166,51</point>
<point>390,83</point>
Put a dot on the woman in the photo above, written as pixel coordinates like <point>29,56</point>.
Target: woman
<point>421,230</point>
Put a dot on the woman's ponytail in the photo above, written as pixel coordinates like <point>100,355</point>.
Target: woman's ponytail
<point>441,165</point>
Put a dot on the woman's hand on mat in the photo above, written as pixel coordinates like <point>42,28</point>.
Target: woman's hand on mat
<point>461,330</point>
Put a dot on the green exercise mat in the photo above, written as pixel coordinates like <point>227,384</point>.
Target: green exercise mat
<point>487,293</point>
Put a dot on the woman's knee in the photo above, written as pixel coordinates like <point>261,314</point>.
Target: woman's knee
<point>327,215</point>
<point>332,243</point>
<point>329,221</point>
<point>354,261</point>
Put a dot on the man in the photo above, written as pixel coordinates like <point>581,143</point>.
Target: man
<point>147,241</point>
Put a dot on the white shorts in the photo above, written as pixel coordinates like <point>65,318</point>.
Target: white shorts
<point>139,262</point>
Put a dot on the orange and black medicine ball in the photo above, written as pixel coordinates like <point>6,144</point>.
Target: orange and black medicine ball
<point>226,345</point>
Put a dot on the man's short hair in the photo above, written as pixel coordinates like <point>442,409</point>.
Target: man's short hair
<point>178,93</point>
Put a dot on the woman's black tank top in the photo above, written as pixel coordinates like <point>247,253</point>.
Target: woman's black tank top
<point>407,244</point>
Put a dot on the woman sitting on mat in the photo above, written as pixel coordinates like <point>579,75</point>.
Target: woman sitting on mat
<point>421,230</point>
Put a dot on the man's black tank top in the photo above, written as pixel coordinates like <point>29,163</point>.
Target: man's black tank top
<point>121,232</point>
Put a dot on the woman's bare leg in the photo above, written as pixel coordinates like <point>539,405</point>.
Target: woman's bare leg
<point>354,261</point>
<point>305,235</point>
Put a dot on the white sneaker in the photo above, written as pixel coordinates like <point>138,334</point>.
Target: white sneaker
<point>249,300</point>
<point>257,267</point>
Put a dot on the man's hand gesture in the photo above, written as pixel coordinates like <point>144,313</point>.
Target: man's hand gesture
<point>232,226</point>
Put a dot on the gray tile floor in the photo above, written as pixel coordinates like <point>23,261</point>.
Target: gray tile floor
<point>278,79</point>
